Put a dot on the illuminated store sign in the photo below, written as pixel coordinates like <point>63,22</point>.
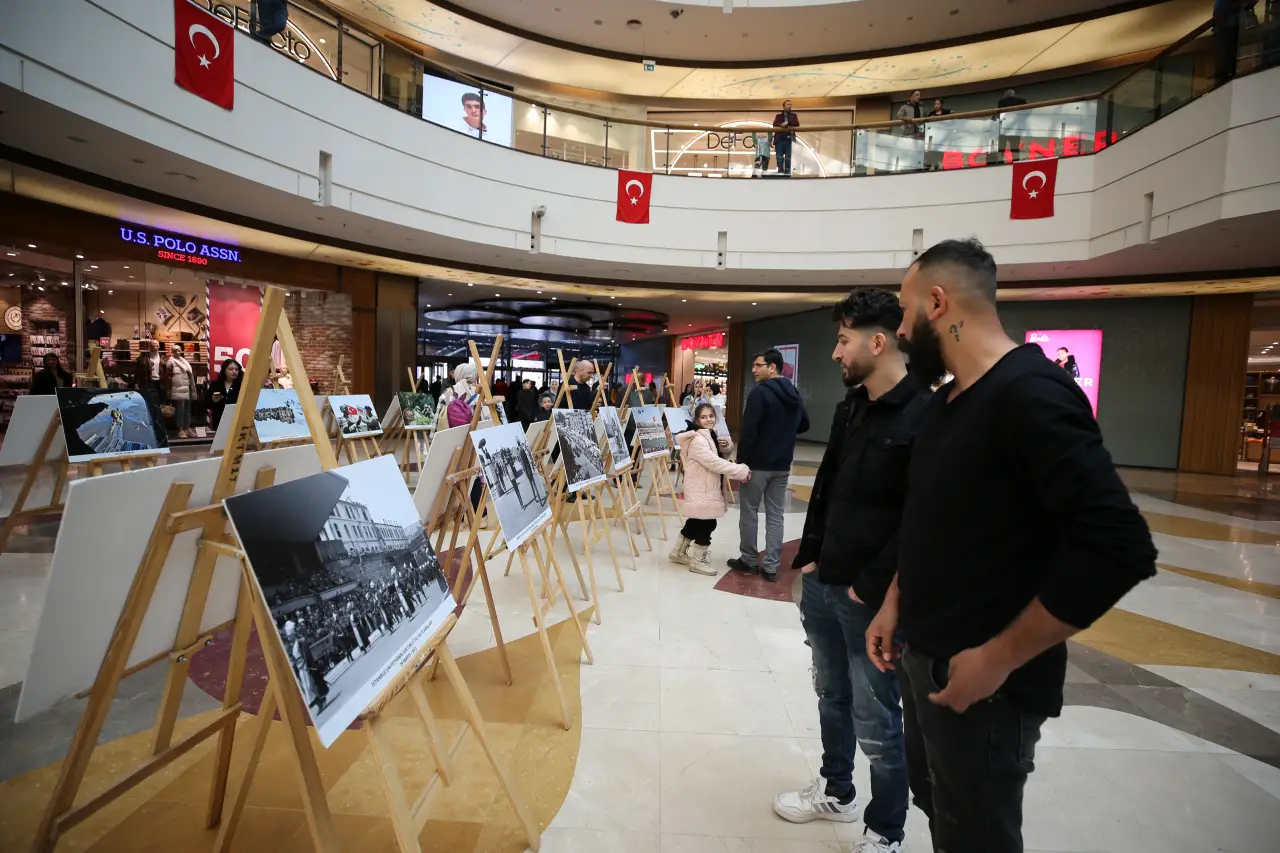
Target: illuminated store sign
<point>715,340</point>
<point>293,42</point>
<point>179,247</point>
<point>1078,352</point>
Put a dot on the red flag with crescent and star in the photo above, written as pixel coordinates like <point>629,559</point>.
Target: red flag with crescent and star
<point>1034,182</point>
<point>204,54</point>
<point>633,196</point>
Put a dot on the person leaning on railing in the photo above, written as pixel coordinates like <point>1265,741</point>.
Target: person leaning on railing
<point>782,142</point>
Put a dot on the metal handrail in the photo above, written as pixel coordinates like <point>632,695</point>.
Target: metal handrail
<point>414,48</point>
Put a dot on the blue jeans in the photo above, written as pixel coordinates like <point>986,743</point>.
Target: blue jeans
<point>771,487</point>
<point>855,700</point>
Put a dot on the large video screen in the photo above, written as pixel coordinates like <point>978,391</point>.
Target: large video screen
<point>482,114</point>
<point>1078,352</point>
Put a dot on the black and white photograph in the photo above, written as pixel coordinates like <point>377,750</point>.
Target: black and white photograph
<point>615,437</point>
<point>583,461</point>
<point>98,423</point>
<point>678,419</point>
<point>355,415</point>
<point>515,485</point>
<point>351,580</point>
<point>649,428</point>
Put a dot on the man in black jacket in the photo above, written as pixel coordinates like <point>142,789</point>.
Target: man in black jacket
<point>774,416</point>
<point>1016,533</point>
<point>849,555</point>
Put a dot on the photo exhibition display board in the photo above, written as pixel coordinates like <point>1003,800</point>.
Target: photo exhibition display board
<point>515,485</point>
<point>722,426</point>
<point>278,416</point>
<point>351,579</point>
<point>355,415</point>
<point>417,408</point>
<point>653,436</point>
<point>224,429</point>
<point>97,423</point>
<point>104,533</point>
<point>610,427</point>
<point>1078,352</point>
<point>31,415</point>
<point>435,466</point>
<point>583,461</point>
<point>678,418</point>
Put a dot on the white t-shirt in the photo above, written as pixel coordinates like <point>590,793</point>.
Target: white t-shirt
<point>461,125</point>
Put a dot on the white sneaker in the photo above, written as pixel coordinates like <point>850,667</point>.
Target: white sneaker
<point>873,842</point>
<point>813,804</point>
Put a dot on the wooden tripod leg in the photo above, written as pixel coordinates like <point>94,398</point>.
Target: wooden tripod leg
<point>451,671</point>
<point>261,728</point>
<point>641,521</point>
<point>384,752</point>
<point>59,482</point>
<point>112,669</point>
<point>231,695</point>
<point>586,551</point>
<point>598,509</point>
<point>577,569</point>
<point>539,620</point>
<point>554,567</point>
<point>28,482</point>
<point>493,616</point>
<point>653,485</point>
<point>435,744</point>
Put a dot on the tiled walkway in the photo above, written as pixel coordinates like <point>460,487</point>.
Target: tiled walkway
<point>699,707</point>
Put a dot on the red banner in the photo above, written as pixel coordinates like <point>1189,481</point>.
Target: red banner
<point>1033,187</point>
<point>233,318</point>
<point>204,54</point>
<point>633,196</point>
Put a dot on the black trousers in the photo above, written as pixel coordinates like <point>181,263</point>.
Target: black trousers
<point>967,771</point>
<point>698,529</point>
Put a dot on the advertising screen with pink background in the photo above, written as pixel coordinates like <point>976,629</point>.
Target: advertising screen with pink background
<point>1082,359</point>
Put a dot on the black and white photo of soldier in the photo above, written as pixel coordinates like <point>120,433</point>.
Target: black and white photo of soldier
<point>515,484</point>
<point>579,448</point>
<point>355,415</point>
<point>615,437</point>
<point>351,580</point>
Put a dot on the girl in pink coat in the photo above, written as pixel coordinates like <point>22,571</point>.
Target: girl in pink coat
<point>703,498</point>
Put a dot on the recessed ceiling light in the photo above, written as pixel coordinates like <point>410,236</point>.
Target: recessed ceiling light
<point>79,257</point>
<point>95,266</point>
<point>755,303</point>
<point>539,291</point>
<point>728,316</point>
<point>31,245</point>
<point>322,41</point>
<point>41,288</point>
<point>64,284</point>
<point>109,292</point>
<point>100,311</point>
<point>684,300</point>
<point>469,284</point>
<point>126,266</point>
<point>12,254</point>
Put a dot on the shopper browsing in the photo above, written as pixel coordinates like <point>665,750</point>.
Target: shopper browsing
<point>848,554</point>
<point>1016,533</point>
<point>51,376</point>
<point>703,491</point>
<point>182,388</point>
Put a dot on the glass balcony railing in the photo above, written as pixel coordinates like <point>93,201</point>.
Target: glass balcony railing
<point>379,66</point>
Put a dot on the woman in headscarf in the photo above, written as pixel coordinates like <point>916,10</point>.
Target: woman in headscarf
<point>464,382</point>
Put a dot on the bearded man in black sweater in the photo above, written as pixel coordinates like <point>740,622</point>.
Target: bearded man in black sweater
<point>1016,534</point>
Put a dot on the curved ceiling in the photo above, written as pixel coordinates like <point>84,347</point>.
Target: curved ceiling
<point>699,32</point>
<point>487,51</point>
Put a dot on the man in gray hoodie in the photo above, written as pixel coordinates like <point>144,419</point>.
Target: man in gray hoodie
<point>773,417</point>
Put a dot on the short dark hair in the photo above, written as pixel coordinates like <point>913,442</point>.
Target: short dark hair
<point>968,257</point>
<point>869,308</point>
<point>770,356</point>
<point>715,387</point>
<point>472,96</point>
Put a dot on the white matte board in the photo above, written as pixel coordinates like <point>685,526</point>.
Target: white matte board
<point>105,528</point>
<point>434,468</point>
<point>31,414</point>
<point>392,415</point>
<point>224,429</point>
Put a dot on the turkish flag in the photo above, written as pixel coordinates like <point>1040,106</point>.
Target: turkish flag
<point>1033,186</point>
<point>633,196</point>
<point>204,56</point>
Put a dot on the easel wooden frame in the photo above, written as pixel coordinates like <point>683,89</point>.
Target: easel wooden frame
<point>622,485</point>
<point>281,694</point>
<point>657,472</point>
<point>404,442</point>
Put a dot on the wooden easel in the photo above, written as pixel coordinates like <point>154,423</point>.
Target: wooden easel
<point>622,491</point>
<point>544,599</point>
<point>409,446</point>
<point>659,479</point>
<point>340,377</point>
<point>281,694</point>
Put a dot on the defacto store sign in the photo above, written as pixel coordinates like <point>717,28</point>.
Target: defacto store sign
<point>286,42</point>
<point>1078,352</point>
<point>715,340</point>
<point>179,248</point>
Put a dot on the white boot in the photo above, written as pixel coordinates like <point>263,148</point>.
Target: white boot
<point>680,553</point>
<point>698,560</point>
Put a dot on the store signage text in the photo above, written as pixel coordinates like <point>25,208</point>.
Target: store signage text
<point>285,42</point>
<point>715,340</point>
<point>179,247</point>
<point>729,141</point>
<point>1072,146</point>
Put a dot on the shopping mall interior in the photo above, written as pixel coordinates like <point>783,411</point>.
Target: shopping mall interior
<point>303,288</point>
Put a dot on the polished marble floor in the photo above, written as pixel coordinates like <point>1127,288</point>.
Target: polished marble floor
<point>699,706</point>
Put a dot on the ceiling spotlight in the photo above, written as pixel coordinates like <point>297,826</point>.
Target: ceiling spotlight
<point>31,245</point>
<point>469,284</point>
<point>12,254</point>
<point>79,257</point>
<point>126,266</point>
<point>684,300</point>
<point>728,316</point>
<point>755,303</point>
<point>100,311</point>
<point>40,288</point>
<point>109,292</point>
<point>64,284</point>
<point>428,304</point>
<point>539,292</point>
<point>95,266</point>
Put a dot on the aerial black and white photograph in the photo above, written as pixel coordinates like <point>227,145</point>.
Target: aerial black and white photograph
<point>653,436</point>
<point>355,415</point>
<point>615,437</point>
<point>98,423</point>
<point>583,461</point>
<point>278,416</point>
<point>351,579</point>
<point>515,484</point>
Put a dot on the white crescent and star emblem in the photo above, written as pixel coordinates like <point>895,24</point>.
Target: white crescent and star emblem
<point>1044,179</point>
<point>627,189</point>
<point>201,29</point>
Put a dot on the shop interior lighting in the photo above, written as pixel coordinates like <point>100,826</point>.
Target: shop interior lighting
<point>31,245</point>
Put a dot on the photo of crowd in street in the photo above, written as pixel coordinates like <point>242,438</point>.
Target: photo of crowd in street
<point>277,416</point>
<point>653,435</point>
<point>351,580</point>
<point>583,461</point>
<point>615,437</point>
<point>515,484</point>
<point>355,415</point>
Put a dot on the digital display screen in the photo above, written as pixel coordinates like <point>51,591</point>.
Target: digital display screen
<point>482,114</point>
<point>1077,351</point>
